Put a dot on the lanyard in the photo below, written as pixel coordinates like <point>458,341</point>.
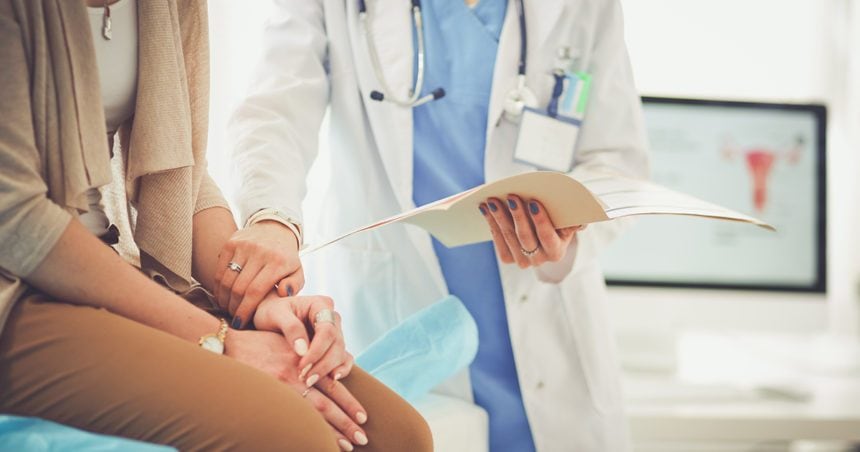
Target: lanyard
<point>557,89</point>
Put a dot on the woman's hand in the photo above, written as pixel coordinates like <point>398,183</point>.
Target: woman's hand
<point>270,353</point>
<point>294,317</point>
<point>267,254</point>
<point>524,234</point>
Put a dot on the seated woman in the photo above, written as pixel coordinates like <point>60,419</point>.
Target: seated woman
<point>89,339</point>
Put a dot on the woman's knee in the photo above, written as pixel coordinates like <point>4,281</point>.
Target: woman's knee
<point>393,424</point>
<point>405,429</point>
<point>292,431</point>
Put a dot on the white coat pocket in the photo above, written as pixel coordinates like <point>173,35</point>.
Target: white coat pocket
<point>584,303</point>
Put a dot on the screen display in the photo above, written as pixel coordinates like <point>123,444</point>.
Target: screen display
<point>765,160</point>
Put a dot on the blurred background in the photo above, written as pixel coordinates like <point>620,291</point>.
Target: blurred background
<point>756,348</point>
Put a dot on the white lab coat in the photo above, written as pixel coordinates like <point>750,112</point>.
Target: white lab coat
<point>315,57</point>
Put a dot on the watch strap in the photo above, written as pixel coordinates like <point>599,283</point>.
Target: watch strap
<point>279,217</point>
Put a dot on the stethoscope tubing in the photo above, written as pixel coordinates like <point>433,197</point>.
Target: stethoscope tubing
<point>414,99</point>
<point>387,93</point>
<point>521,15</point>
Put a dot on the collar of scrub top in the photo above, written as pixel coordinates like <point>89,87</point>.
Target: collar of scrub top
<point>514,103</point>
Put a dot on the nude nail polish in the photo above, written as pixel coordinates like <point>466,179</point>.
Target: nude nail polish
<point>345,445</point>
<point>360,438</point>
<point>301,347</point>
<point>338,376</point>
<point>312,380</point>
<point>361,417</point>
<point>305,371</point>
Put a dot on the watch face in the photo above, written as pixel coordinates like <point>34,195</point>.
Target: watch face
<point>213,345</point>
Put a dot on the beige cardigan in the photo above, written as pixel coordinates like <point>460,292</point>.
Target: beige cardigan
<point>53,144</point>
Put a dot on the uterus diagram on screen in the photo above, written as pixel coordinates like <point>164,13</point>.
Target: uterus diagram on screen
<point>759,161</point>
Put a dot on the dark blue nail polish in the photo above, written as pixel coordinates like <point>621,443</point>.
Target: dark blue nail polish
<point>534,208</point>
<point>512,204</point>
<point>481,208</point>
<point>493,206</point>
<point>237,323</point>
<point>289,291</point>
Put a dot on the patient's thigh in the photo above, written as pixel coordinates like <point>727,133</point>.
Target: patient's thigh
<point>100,372</point>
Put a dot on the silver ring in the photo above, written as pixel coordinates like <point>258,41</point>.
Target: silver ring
<point>306,392</point>
<point>528,253</point>
<point>235,267</point>
<point>324,316</point>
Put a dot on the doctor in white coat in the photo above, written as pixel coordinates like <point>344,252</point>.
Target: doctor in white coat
<point>320,54</point>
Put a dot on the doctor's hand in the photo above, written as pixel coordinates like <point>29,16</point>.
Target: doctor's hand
<point>252,262</point>
<point>270,353</point>
<point>524,234</point>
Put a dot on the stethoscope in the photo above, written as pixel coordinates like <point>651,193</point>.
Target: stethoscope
<point>516,100</point>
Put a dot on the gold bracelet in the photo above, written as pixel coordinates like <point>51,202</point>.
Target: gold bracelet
<point>215,343</point>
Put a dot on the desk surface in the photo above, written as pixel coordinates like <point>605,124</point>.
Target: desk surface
<point>727,390</point>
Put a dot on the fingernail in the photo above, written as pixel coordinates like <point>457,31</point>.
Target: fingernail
<point>512,204</point>
<point>301,347</point>
<point>237,323</point>
<point>312,380</point>
<point>289,291</point>
<point>492,206</point>
<point>361,417</point>
<point>338,376</point>
<point>360,438</point>
<point>483,211</point>
<point>305,371</point>
<point>534,208</point>
<point>345,445</point>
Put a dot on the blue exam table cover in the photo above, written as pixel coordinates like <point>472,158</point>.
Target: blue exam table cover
<point>429,347</point>
<point>27,434</point>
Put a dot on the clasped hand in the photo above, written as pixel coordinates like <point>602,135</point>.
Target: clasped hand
<point>310,358</point>
<point>254,261</point>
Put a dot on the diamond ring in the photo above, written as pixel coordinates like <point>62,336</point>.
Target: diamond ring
<point>528,253</point>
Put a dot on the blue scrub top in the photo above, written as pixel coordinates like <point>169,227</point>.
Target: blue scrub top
<point>449,142</point>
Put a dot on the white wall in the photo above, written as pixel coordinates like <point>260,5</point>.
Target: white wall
<point>235,30</point>
<point>236,38</point>
<point>766,50</point>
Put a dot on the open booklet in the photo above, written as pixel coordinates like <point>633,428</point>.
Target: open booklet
<point>456,220</point>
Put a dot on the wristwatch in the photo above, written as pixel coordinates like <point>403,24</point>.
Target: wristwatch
<point>279,217</point>
<point>215,342</point>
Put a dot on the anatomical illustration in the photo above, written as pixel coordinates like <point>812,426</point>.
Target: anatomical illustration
<point>760,160</point>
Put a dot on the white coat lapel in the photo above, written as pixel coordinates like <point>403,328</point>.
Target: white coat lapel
<point>542,17</point>
<point>391,24</point>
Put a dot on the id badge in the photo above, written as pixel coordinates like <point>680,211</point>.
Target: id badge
<point>547,142</point>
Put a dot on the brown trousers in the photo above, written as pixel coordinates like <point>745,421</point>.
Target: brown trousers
<point>97,371</point>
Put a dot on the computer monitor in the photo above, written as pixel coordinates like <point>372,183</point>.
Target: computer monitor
<point>763,159</point>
